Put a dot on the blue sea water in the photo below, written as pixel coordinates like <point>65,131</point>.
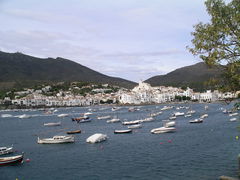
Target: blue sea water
<point>202,151</point>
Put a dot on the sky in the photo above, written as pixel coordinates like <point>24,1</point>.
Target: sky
<point>131,39</point>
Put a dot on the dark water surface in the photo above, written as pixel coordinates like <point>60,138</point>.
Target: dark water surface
<point>195,152</point>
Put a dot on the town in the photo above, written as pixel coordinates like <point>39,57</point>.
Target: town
<point>87,94</point>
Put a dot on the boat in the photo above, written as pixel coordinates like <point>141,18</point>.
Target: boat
<point>74,132</point>
<point>167,123</point>
<point>136,126</point>
<point>172,117</point>
<point>204,116</point>
<point>115,108</point>
<point>233,114</point>
<point>155,114</point>
<point>56,140</point>
<point>84,121</point>
<point>6,115</point>
<point>166,108</point>
<point>163,130</point>
<point>188,115</point>
<point>24,116</point>
<point>178,114</point>
<point>113,120</point>
<point>131,122</point>
<point>191,112</point>
<point>11,160</point>
<point>87,113</point>
<point>53,124</point>
<point>196,121</point>
<point>80,118</point>
<point>6,150</point>
<point>103,117</point>
<point>233,119</point>
<point>96,138</point>
<point>62,115</point>
<point>122,131</point>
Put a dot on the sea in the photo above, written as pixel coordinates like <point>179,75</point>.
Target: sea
<point>198,151</point>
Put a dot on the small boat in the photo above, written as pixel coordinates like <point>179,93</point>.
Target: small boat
<point>6,150</point>
<point>84,121</point>
<point>188,115</point>
<point>163,130</point>
<point>172,117</point>
<point>167,123</point>
<point>113,120</point>
<point>56,140</point>
<point>24,116</point>
<point>6,115</point>
<point>122,131</point>
<point>155,114</point>
<point>96,138</point>
<point>62,115</point>
<point>233,119</point>
<point>80,118</point>
<point>11,160</point>
<point>204,116</point>
<point>196,121</point>
<point>136,126</point>
<point>53,124</point>
<point>103,117</point>
<point>149,119</point>
<point>191,112</point>
<point>87,113</point>
<point>115,108</point>
<point>131,122</point>
<point>166,108</point>
<point>233,114</point>
<point>74,132</point>
<point>178,114</point>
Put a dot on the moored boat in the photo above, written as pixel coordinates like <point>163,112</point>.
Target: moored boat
<point>163,130</point>
<point>62,115</point>
<point>167,123</point>
<point>204,116</point>
<point>103,117</point>
<point>6,115</point>
<point>136,126</point>
<point>53,124</point>
<point>11,160</point>
<point>233,119</point>
<point>24,116</point>
<point>123,131</point>
<point>56,140</point>
<point>96,138</point>
<point>196,121</point>
<point>74,132</point>
<point>113,120</point>
<point>6,150</point>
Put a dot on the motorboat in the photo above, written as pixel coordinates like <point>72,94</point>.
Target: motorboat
<point>53,124</point>
<point>178,114</point>
<point>103,117</point>
<point>188,115</point>
<point>123,131</point>
<point>24,116</point>
<point>114,120</point>
<point>6,150</point>
<point>204,116</point>
<point>96,138</point>
<point>56,140</point>
<point>155,114</point>
<point>199,120</point>
<point>62,115</point>
<point>6,115</point>
<point>84,120</point>
<point>166,108</point>
<point>191,112</point>
<point>163,130</point>
<point>115,108</point>
<point>87,113</point>
<point>74,132</point>
<point>149,119</point>
<point>167,123</point>
<point>233,114</point>
<point>11,160</point>
<point>233,119</point>
<point>172,117</point>
<point>80,118</point>
<point>131,122</point>
<point>135,126</point>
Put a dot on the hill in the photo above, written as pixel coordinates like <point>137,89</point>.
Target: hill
<point>193,76</point>
<point>20,70</point>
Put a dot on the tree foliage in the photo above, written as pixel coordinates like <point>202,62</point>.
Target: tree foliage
<point>218,42</point>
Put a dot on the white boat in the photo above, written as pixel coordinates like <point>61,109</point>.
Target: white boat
<point>6,115</point>
<point>178,114</point>
<point>167,123</point>
<point>163,130</point>
<point>149,119</point>
<point>233,119</point>
<point>24,116</point>
<point>196,121</point>
<point>136,126</point>
<point>62,115</point>
<point>191,112</point>
<point>206,107</point>
<point>155,114</point>
<point>188,115</point>
<point>204,116</point>
<point>53,124</point>
<point>87,113</point>
<point>233,114</point>
<point>11,160</point>
<point>56,140</point>
<point>131,122</point>
<point>166,108</point>
<point>103,117</point>
<point>96,138</point>
<point>172,117</point>
<point>115,108</point>
<point>6,150</point>
<point>123,131</point>
<point>113,120</point>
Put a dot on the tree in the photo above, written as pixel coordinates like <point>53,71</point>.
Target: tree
<point>218,42</point>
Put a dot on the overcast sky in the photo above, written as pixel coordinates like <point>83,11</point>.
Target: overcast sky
<point>131,39</point>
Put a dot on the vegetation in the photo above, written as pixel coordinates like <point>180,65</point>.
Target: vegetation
<point>218,42</point>
<point>182,98</point>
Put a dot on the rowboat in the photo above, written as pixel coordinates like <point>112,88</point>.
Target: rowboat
<point>6,150</point>
<point>74,132</point>
<point>123,131</point>
<point>11,160</point>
